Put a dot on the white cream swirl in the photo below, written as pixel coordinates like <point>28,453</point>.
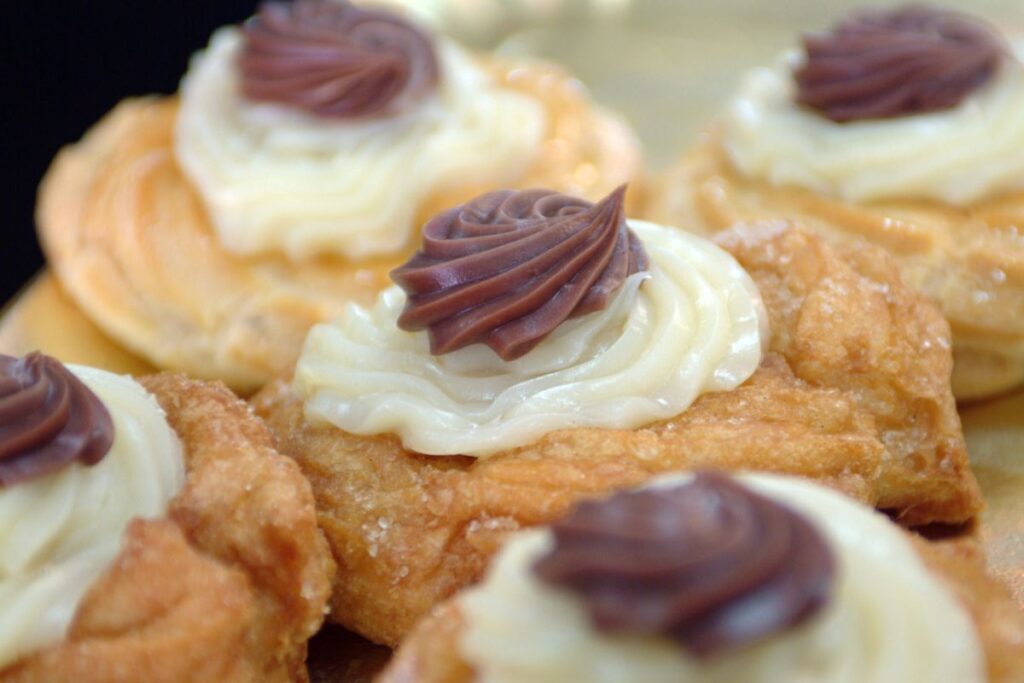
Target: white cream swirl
<point>694,323</point>
<point>275,179</point>
<point>60,532</point>
<point>960,156</point>
<point>890,619</point>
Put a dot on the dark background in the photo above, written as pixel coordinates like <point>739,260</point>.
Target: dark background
<point>65,64</point>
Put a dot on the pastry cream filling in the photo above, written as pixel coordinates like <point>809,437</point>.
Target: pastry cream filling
<point>890,619</point>
<point>59,533</point>
<point>275,179</point>
<point>694,323</point>
<point>959,156</point>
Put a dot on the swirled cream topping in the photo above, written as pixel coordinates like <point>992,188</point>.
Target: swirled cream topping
<point>521,629</point>
<point>882,63</point>
<point>708,564</point>
<point>509,267</point>
<point>958,155</point>
<point>48,418</point>
<point>59,532</point>
<point>277,179</point>
<point>336,60</point>
<point>693,323</point>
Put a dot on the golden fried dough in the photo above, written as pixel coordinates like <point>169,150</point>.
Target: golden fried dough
<point>129,239</point>
<point>229,587</point>
<point>970,260</point>
<point>430,654</point>
<point>853,392</point>
<point>1000,622</point>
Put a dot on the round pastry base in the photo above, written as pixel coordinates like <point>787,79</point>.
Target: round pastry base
<point>627,57</point>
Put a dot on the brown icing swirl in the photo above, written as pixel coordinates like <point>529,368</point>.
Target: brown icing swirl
<point>509,267</point>
<point>335,60</point>
<point>710,564</point>
<point>880,63</point>
<point>48,419</point>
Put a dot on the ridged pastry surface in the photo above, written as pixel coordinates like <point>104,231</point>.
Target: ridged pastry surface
<point>129,239</point>
<point>228,586</point>
<point>853,392</point>
<point>969,259</point>
<point>59,532</point>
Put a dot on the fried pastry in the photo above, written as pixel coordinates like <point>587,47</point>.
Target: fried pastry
<point>150,531</point>
<point>900,128</point>
<point>757,578</point>
<point>544,350</point>
<point>208,231</point>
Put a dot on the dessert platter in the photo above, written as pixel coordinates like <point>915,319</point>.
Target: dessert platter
<point>531,341</point>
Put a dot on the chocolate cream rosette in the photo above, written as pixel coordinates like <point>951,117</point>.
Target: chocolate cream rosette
<point>209,230</point>
<point>149,531</point>
<point>540,349</point>
<point>714,579</point>
<point>899,127</point>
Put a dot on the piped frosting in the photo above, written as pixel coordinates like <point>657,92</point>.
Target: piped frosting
<point>335,60</point>
<point>709,564</point>
<point>59,532</point>
<point>522,629</point>
<point>48,419</point>
<point>509,267</point>
<point>692,323</point>
<point>882,63</point>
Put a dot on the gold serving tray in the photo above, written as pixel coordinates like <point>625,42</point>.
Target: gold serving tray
<point>667,65</point>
